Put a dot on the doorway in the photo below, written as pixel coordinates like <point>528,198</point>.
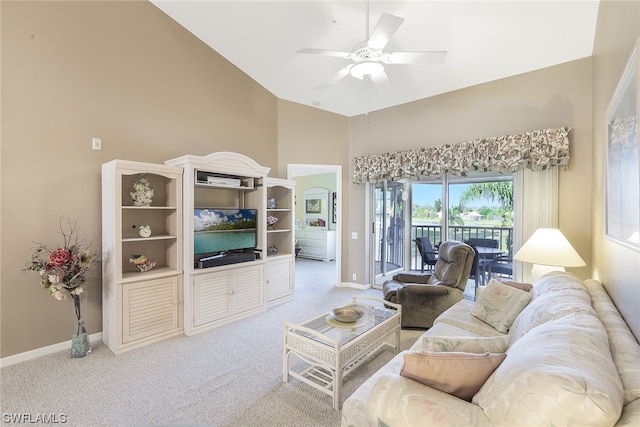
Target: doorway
<point>330,178</point>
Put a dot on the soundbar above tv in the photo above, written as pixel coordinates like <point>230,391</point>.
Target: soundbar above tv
<point>225,259</point>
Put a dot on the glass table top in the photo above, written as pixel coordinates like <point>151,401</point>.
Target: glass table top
<point>345,332</point>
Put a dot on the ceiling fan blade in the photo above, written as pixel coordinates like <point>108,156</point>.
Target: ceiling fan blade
<point>325,52</point>
<point>385,28</point>
<point>425,57</point>
<point>336,77</point>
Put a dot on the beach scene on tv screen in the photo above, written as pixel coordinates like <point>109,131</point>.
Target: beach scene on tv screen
<point>220,230</point>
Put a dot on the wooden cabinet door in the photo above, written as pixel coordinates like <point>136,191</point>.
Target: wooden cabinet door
<point>248,289</point>
<point>212,297</point>
<point>279,275</point>
<point>149,308</point>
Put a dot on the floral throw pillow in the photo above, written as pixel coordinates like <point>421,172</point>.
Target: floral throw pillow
<point>478,345</point>
<point>500,304</point>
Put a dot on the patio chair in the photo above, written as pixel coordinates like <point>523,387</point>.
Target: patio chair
<point>500,266</point>
<point>428,254</point>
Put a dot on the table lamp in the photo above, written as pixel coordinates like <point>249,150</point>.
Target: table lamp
<point>548,250</point>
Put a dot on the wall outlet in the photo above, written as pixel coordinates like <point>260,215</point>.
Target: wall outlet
<point>354,235</point>
<point>353,277</point>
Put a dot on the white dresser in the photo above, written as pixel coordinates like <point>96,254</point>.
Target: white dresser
<point>317,244</point>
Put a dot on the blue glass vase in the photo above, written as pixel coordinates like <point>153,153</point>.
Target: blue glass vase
<point>80,345</point>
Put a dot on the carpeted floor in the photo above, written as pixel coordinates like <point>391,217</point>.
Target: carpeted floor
<point>230,376</point>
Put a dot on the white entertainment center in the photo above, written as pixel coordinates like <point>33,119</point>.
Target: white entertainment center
<point>204,291</point>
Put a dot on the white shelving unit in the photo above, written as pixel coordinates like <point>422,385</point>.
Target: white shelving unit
<point>141,307</point>
<point>280,271</point>
<point>221,294</point>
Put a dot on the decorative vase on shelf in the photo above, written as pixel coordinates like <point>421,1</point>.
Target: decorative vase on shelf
<point>80,345</point>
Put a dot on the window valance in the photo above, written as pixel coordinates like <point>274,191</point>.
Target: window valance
<point>535,150</point>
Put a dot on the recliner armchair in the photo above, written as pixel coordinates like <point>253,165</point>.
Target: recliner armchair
<point>425,297</point>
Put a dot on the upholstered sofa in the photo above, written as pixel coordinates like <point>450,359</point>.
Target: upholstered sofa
<point>570,360</point>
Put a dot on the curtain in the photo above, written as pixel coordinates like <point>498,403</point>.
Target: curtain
<point>536,150</point>
<point>535,206</point>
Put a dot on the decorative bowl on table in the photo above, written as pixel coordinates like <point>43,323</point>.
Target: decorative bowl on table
<point>347,314</point>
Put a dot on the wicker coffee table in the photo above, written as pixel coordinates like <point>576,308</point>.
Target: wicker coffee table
<point>330,350</point>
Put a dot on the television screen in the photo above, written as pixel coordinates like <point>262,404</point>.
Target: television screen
<point>222,230</point>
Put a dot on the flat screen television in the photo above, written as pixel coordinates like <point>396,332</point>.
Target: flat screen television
<point>218,231</point>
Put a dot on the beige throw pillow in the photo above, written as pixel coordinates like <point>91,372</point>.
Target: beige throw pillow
<point>500,304</point>
<point>459,374</point>
<point>478,345</point>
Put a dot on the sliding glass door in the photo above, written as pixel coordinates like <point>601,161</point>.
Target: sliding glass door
<point>389,200</point>
<point>449,208</point>
<point>460,209</point>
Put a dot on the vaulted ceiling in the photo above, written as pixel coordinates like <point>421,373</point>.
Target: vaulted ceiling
<point>484,40</point>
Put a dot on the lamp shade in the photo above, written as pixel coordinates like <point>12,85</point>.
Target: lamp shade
<point>548,246</point>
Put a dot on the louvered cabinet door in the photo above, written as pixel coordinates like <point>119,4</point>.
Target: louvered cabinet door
<point>149,308</point>
<point>279,279</point>
<point>248,289</point>
<point>212,297</point>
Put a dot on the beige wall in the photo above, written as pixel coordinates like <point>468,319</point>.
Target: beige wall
<point>548,98</point>
<point>617,266</point>
<point>120,71</point>
<point>307,135</point>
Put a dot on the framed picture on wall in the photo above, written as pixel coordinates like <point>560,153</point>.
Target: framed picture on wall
<point>334,210</point>
<point>313,206</point>
<point>622,193</point>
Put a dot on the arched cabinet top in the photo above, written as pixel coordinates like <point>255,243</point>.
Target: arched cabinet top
<point>223,162</point>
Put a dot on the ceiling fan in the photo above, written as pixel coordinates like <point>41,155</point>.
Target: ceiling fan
<point>368,57</point>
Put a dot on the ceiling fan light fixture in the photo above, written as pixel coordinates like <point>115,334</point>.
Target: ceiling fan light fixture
<point>366,69</point>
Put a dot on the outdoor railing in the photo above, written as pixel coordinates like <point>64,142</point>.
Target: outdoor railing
<point>504,236</point>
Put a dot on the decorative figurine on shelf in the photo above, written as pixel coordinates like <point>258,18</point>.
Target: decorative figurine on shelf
<point>271,203</point>
<point>142,192</point>
<point>271,222</point>
<point>144,230</point>
<point>272,250</point>
<point>142,263</point>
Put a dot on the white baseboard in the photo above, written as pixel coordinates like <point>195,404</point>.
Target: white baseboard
<point>354,285</point>
<point>43,351</point>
